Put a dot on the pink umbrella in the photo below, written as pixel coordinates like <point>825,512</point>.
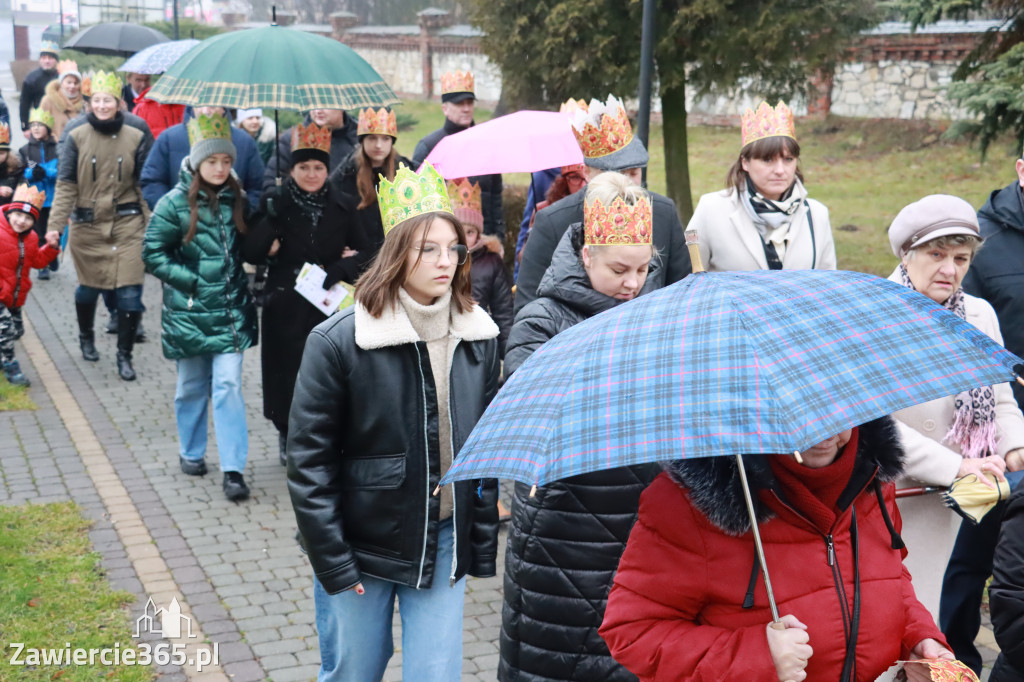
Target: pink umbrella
<point>522,142</point>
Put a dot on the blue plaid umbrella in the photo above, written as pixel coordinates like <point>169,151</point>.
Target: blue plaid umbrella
<point>725,364</point>
<point>158,58</point>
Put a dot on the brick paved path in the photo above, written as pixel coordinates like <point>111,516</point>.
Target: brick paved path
<point>111,446</point>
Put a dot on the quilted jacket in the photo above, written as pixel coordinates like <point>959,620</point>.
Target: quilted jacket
<point>19,253</point>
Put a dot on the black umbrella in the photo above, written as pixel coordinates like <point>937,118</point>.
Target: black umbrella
<point>118,38</point>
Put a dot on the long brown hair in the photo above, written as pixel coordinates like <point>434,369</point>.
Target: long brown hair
<point>765,149</point>
<point>200,185</point>
<point>366,183</point>
<point>378,287</point>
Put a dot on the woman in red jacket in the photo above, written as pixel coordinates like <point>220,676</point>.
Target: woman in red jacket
<point>689,604</point>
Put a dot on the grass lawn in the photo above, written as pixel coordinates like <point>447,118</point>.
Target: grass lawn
<point>52,595</point>
<point>14,397</point>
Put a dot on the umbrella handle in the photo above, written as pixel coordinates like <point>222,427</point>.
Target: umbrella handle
<point>757,540</point>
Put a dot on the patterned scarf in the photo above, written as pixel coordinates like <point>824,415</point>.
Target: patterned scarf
<point>311,204</point>
<point>974,424</point>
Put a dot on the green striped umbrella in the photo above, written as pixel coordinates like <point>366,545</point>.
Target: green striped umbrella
<point>274,68</point>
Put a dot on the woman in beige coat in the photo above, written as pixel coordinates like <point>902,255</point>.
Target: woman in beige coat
<point>763,219</point>
<point>63,98</point>
<point>944,439</point>
<point>98,191</point>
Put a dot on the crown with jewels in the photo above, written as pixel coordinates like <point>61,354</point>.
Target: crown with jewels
<point>202,127</point>
<point>106,83</point>
<point>40,115</point>
<point>580,168</point>
<point>618,224</point>
<point>27,199</point>
<point>411,194</point>
<point>456,81</point>
<point>5,135</point>
<point>767,122</point>
<point>467,204</point>
<point>603,128</point>
<point>570,106</point>
<point>311,137</point>
<point>49,47</point>
<point>377,122</point>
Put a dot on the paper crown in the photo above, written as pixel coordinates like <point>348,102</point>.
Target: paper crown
<point>40,115</point>
<point>28,194</point>
<point>570,106</point>
<point>767,122</point>
<point>87,85</point>
<point>580,168</point>
<point>603,128</point>
<point>202,127</point>
<point>311,137</point>
<point>467,204</point>
<point>411,194</point>
<point>106,83</point>
<point>377,122</point>
<point>456,81</point>
<point>5,135</point>
<point>67,66</point>
<point>618,224</point>
<point>49,47</point>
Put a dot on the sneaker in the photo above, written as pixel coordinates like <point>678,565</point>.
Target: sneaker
<point>15,376</point>
<point>44,274</point>
<point>193,467</point>
<point>235,488</point>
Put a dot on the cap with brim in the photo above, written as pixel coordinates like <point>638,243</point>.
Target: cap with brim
<point>937,215</point>
<point>456,97</point>
<point>633,155</point>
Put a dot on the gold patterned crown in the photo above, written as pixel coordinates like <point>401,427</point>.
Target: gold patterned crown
<point>570,106</point>
<point>40,115</point>
<point>311,137</point>
<point>66,66</point>
<point>377,122</point>
<point>467,204</point>
<point>107,83</point>
<point>49,47</point>
<point>5,135</point>
<point>603,128</point>
<point>768,122</point>
<point>618,224</point>
<point>456,81</point>
<point>411,194</point>
<point>29,195</point>
<point>203,127</point>
<point>86,84</point>
<point>580,168</point>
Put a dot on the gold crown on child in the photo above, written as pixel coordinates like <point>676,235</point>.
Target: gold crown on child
<point>411,194</point>
<point>377,122</point>
<point>203,127</point>
<point>618,224</point>
<point>28,194</point>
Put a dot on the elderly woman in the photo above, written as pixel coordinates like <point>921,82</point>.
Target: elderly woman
<point>688,602</point>
<point>763,219</point>
<point>970,433</point>
<point>63,99</point>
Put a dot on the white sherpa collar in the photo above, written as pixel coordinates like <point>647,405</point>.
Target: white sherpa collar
<point>393,327</point>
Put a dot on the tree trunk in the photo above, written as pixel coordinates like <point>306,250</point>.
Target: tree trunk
<point>677,162</point>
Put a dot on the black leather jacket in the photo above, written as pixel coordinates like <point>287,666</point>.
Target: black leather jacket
<point>364,458</point>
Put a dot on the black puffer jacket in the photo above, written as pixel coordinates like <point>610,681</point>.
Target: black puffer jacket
<point>491,289</point>
<point>564,543</point>
<point>997,271</point>
<point>1006,594</point>
<point>363,449</point>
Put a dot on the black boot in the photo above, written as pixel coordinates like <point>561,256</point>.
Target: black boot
<point>127,324</point>
<point>282,448</point>
<point>86,339</point>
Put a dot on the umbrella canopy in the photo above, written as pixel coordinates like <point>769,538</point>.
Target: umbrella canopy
<point>522,142</point>
<point>725,364</point>
<point>275,68</point>
<point>158,58</point>
<point>117,38</point>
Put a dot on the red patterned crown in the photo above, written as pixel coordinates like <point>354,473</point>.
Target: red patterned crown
<point>456,81</point>
<point>311,137</point>
<point>467,204</point>
<point>603,128</point>
<point>5,135</point>
<point>768,122</point>
<point>618,224</point>
<point>377,122</point>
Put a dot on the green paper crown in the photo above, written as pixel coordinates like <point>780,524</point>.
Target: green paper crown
<point>204,127</point>
<point>411,194</point>
<point>108,83</point>
<point>40,115</point>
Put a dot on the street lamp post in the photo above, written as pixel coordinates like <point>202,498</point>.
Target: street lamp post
<point>647,35</point>
<point>174,11</point>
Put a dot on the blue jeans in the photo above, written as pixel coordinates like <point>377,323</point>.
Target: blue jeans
<point>129,298</point>
<point>355,630</point>
<point>220,375</point>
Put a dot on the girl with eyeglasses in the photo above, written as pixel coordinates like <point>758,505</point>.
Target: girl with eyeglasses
<point>387,393</point>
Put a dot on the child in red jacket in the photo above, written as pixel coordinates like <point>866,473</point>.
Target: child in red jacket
<point>19,253</point>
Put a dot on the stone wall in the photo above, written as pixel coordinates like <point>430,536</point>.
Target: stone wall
<point>886,89</point>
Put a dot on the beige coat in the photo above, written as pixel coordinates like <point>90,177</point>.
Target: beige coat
<point>730,241</point>
<point>60,107</point>
<point>929,528</point>
<point>98,173</point>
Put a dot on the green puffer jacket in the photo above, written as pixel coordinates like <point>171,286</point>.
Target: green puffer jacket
<point>207,307</point>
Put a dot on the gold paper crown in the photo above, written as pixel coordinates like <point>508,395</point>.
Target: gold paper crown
<point>456,81</point>
<point>571,106</point>
<point>618,224</point>
<point>411,194</point>
<point>377,122</point>
<point>202,127</point>
<point>5,134</point>
<point>40,115</point>
<point>311,137</point>
<point>768,122</point>
<point>107,83</point>
<point>467,204</point>
<point>86,84</point>
<point>28,194</point>
<point>65,66</point>
<point>580,168</point>
<point>49,46</point>
<point>603,128</point>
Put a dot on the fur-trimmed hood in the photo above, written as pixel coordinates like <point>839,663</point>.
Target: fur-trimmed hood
<point>268,133</point>
<point>715,490</point>
<point>393,327</point>
<point>61,101</point>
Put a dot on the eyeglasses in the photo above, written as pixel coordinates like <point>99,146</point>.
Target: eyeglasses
<point>431,253</point>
